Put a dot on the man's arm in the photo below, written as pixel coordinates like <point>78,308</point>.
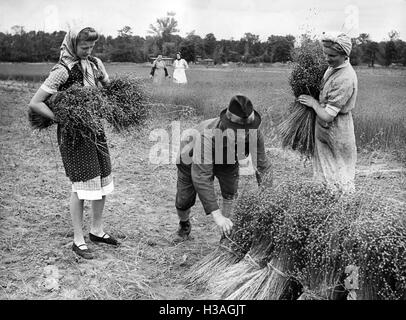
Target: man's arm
<point>203,182</point>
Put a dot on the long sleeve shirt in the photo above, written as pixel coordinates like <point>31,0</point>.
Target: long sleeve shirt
<point>212,149</point>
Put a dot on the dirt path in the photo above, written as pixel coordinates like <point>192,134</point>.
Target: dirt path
<point>35,239</point>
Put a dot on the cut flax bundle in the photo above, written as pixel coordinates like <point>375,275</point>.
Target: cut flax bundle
<point>201,272</point>
<point>230,250</point>
<point>39,122</point>
<point>247,279</point>
<point>77,109</point>
<point>364,230</point>
<point>129,98</point>
<point>297,130</point>
<point>301,238</point>
<point>122,103</point>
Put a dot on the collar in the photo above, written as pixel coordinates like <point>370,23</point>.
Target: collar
<point>343,65</point>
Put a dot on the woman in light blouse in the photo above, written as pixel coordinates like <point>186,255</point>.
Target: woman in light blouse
<point>335,152</point>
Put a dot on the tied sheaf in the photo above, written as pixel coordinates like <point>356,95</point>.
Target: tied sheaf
<point>299,238</point>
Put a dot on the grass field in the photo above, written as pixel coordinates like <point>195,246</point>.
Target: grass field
<point>379,117</point>
<point>36,260</point>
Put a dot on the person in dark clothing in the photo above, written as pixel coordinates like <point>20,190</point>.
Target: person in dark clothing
<point>87,166</point>
<point>214,151</point>
<point>159,72</point>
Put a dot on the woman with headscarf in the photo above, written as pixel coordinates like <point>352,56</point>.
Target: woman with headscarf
<point>335,152</point>
<point>88,166</point>
<point>158,70</point>
<point>179,65</point>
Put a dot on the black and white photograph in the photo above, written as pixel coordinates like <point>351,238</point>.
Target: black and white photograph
<point>201,150</point>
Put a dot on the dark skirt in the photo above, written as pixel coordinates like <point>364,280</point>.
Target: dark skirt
<point>84,158</point>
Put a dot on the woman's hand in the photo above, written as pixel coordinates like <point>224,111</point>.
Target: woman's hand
<point>307,100</point>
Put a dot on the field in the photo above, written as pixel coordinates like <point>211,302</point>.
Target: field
<point>380,115</point>
<point>35,252</point>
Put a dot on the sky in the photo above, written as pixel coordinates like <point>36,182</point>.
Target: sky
<point>226,19</point>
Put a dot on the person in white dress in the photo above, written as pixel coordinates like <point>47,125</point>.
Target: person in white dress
<point>179,65</point>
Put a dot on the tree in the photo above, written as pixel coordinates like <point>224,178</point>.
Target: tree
<point>390,52</point>
<point>126,47</point>
<point>363,38</point>
<point>221,53</point>
<point>400,51</point>
<point>393,35</point>
<point>197,42</point>
<point>209,44</point>
<point>280,47</point>
<point>187,50</point>
<point>371,50</point>
<point>18,30</point>
<point>125,32</point>
<point>403,55</point>
<point>164,29</point>
<point>248,42</point>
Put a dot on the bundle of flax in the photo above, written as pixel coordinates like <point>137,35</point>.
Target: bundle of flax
<point>299,240</point>
<point>122,103</point>
<point>129,98</point>
<point>230,251</point>
<point>38,121</point>
<point>297,130</point>
<point>77,109</point>
<point>276,236</point>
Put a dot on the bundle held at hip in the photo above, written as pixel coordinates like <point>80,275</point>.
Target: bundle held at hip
<point>80,110</point>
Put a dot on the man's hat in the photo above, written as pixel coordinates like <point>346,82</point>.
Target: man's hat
<point>240,114</point>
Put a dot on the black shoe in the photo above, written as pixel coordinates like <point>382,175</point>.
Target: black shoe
<point>84,253</point>
<point>102,239</point>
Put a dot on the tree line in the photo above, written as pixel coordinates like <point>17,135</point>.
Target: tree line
<point>39,46</point>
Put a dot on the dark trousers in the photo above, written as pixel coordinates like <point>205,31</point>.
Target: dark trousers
<point>227,175</point>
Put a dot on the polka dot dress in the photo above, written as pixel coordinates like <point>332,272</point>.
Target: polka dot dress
<point>86,163</point>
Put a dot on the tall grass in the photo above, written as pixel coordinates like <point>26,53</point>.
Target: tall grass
<point>379,116</point>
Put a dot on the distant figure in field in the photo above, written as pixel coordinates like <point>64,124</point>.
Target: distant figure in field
<point>87,166</point>
<point>179,65</point>
<point>159,71</point>
<point>335,152</point>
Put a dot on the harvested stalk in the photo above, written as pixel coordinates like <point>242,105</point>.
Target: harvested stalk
<point>297,130</point>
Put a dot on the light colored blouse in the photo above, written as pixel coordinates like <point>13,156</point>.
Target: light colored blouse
<point>339,89</point>
<point>180,64</point>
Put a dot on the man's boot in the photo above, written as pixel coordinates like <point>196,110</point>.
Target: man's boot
<point>185,226</point>
<point>184,229</point>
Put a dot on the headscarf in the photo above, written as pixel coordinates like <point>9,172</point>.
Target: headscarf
<point>342,43</point>
<point>69,57</point>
